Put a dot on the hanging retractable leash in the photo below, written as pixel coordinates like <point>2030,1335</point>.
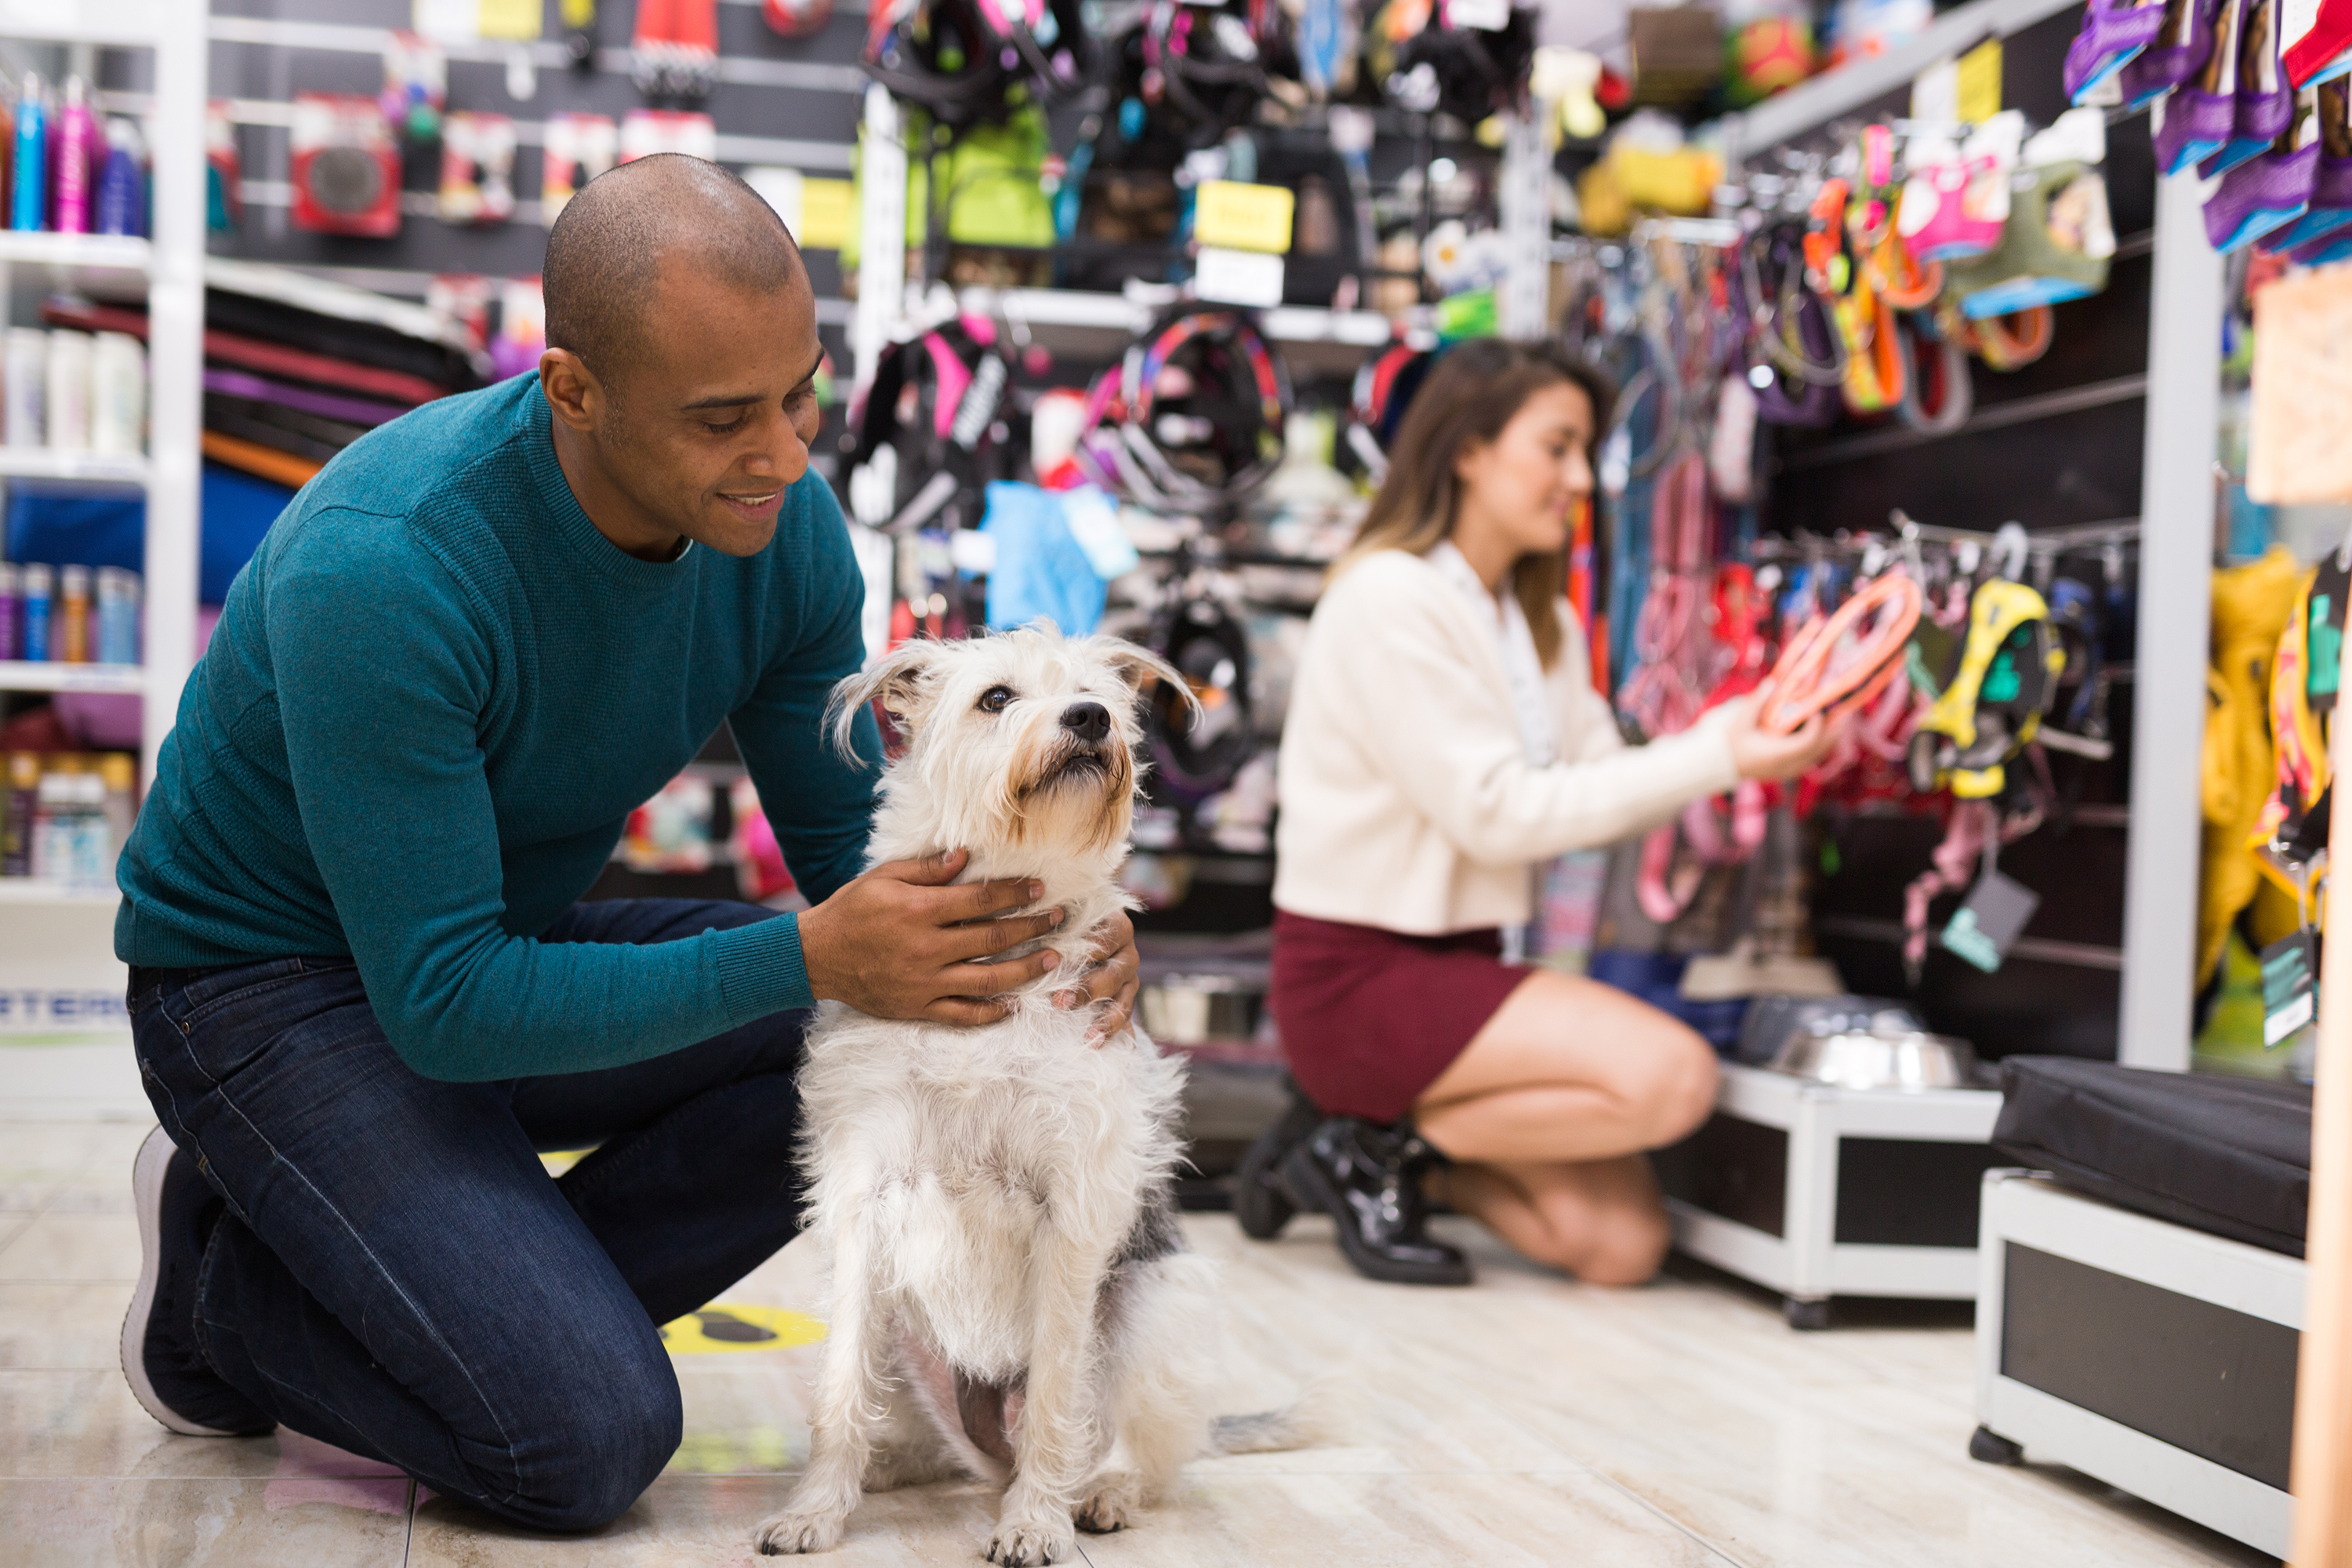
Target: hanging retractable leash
<point>1186,460</point>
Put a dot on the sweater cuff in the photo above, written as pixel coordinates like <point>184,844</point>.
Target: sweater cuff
<point>1714,770</point>
<point>761,970</point>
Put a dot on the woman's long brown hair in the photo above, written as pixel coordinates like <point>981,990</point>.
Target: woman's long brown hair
<point>1469,396</point>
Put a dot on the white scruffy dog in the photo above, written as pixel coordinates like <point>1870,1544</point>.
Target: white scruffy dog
<point>1011,1296</point>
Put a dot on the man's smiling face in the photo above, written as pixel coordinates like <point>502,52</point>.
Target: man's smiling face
<point>713,417</point>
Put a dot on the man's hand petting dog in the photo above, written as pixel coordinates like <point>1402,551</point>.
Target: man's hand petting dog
<point>905,941</point>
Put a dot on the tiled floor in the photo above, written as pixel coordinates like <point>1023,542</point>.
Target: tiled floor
<point>1527,1420</point>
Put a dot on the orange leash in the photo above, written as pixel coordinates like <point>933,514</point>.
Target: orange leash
<point>1802,684</point>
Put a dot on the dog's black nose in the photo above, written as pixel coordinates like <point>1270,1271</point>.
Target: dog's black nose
<point>1086,720</point>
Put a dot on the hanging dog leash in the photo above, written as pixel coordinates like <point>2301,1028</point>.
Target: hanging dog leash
<point>1838,664</point>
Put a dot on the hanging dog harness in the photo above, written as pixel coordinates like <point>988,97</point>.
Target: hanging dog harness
<point>1995,702</point>
<point>958,372</point>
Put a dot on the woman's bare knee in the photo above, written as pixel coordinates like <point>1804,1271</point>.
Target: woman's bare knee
<point>1678,1091</point>
<point>1624,1246</point>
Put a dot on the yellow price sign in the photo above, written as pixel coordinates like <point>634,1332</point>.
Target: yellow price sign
<point>1979,89</point>
<point>1235,216</point>
<point>827,209</point>
<point>515,19</point>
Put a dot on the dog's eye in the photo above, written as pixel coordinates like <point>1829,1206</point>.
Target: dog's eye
<point>993,699</point>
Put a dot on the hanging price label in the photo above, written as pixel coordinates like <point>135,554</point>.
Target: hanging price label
<point>2290,997</point>
<point>1989,920</point>
<point>1238,278</point>
<point>1236,217</point>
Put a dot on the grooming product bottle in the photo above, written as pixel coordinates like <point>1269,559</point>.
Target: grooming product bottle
<point>20,783</point>
<point>117,396</point>
<point>119,595</point>
<point>117,776</point>
<point>122,182</point>
<point>28,204</point>
<point>69,828</point>
<point>74,146</point>
<point>73,616</point>
<point>40,584</point>
<point>25,382</point>
<point>12,588</point>
<point>68,390</point>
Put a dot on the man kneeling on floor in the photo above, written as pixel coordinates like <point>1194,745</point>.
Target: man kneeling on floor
<point>363,991</point>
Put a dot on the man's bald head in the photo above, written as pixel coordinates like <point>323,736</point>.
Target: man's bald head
<point>608,245</point>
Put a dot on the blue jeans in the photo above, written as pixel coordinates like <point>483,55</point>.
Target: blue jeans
<point>397,1274</point>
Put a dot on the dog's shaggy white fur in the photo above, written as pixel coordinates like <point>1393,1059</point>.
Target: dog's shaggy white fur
<point>1011,1296</point>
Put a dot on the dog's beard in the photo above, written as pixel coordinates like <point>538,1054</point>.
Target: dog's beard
<point>1078,800</point>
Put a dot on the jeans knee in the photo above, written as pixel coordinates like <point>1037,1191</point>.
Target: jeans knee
<point>617,1427</point>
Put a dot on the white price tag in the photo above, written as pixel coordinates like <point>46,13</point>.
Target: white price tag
<point>1238,278</point>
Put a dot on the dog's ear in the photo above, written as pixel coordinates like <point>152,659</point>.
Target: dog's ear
<point>1142,669</point>
<point>904,678</point>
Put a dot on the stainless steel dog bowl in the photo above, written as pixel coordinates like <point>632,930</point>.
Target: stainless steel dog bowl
<point>1193,1009</point>
<point>1899,1059</point>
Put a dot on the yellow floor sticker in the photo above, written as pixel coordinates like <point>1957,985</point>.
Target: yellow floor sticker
<point>722,1326</point>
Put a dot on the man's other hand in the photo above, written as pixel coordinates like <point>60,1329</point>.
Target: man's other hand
<point>901,943</point>
<point>1114,979</point>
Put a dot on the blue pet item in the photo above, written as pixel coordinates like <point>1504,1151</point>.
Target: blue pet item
<point>1041,572</point>
<point>1658,978</point>
<point>84,528</point>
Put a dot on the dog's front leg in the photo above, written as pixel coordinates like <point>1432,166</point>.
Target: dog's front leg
<point>1058,1439</point>
<point>849,1407</point>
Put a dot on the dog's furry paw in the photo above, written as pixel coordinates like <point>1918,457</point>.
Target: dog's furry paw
<point>790,1533</point>
<point>1027,1543</point>
<point>1109,1506</point>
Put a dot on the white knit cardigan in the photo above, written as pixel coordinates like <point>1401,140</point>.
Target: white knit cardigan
<point>1407,799</point>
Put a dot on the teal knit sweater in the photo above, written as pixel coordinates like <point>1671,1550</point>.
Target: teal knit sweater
<point>433,698</point>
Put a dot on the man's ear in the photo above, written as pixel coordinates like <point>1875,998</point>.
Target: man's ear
<point>906,679</point>
<point>572,392</point>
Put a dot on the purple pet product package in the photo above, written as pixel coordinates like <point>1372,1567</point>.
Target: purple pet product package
<point>10,588</point>
<point>2266,105</point>
<point>2201,115</point>
<point>2182,46</point>
<point>2115,33</point>
<point>2329,124</point>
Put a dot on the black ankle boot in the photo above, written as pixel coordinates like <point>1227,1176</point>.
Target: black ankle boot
<point>1259,1201</point>
<point>1367,1178</point>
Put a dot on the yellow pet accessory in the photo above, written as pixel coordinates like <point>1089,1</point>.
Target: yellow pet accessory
<point>1993,705</point>
<point>2252,606</point>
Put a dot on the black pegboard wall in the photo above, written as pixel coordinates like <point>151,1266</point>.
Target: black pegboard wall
<point>789,101</point>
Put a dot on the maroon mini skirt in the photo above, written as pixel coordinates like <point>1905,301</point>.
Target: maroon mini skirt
<point>1370,1018</point>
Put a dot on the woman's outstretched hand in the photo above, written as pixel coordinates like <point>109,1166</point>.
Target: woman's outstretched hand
<point>1760,754</point>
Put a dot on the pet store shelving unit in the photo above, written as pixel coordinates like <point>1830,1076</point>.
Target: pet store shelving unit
<point>2182,391</point>
<point>47,934</point>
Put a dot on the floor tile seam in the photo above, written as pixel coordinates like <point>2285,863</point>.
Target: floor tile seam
<point>9,1238</point>
<point>1711,1548</point>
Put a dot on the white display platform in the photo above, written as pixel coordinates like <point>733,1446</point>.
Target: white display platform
<point>1792,1185</point>
<point>2166,1327</point>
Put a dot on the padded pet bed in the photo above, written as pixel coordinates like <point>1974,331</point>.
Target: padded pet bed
<point>2230,1156</point>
